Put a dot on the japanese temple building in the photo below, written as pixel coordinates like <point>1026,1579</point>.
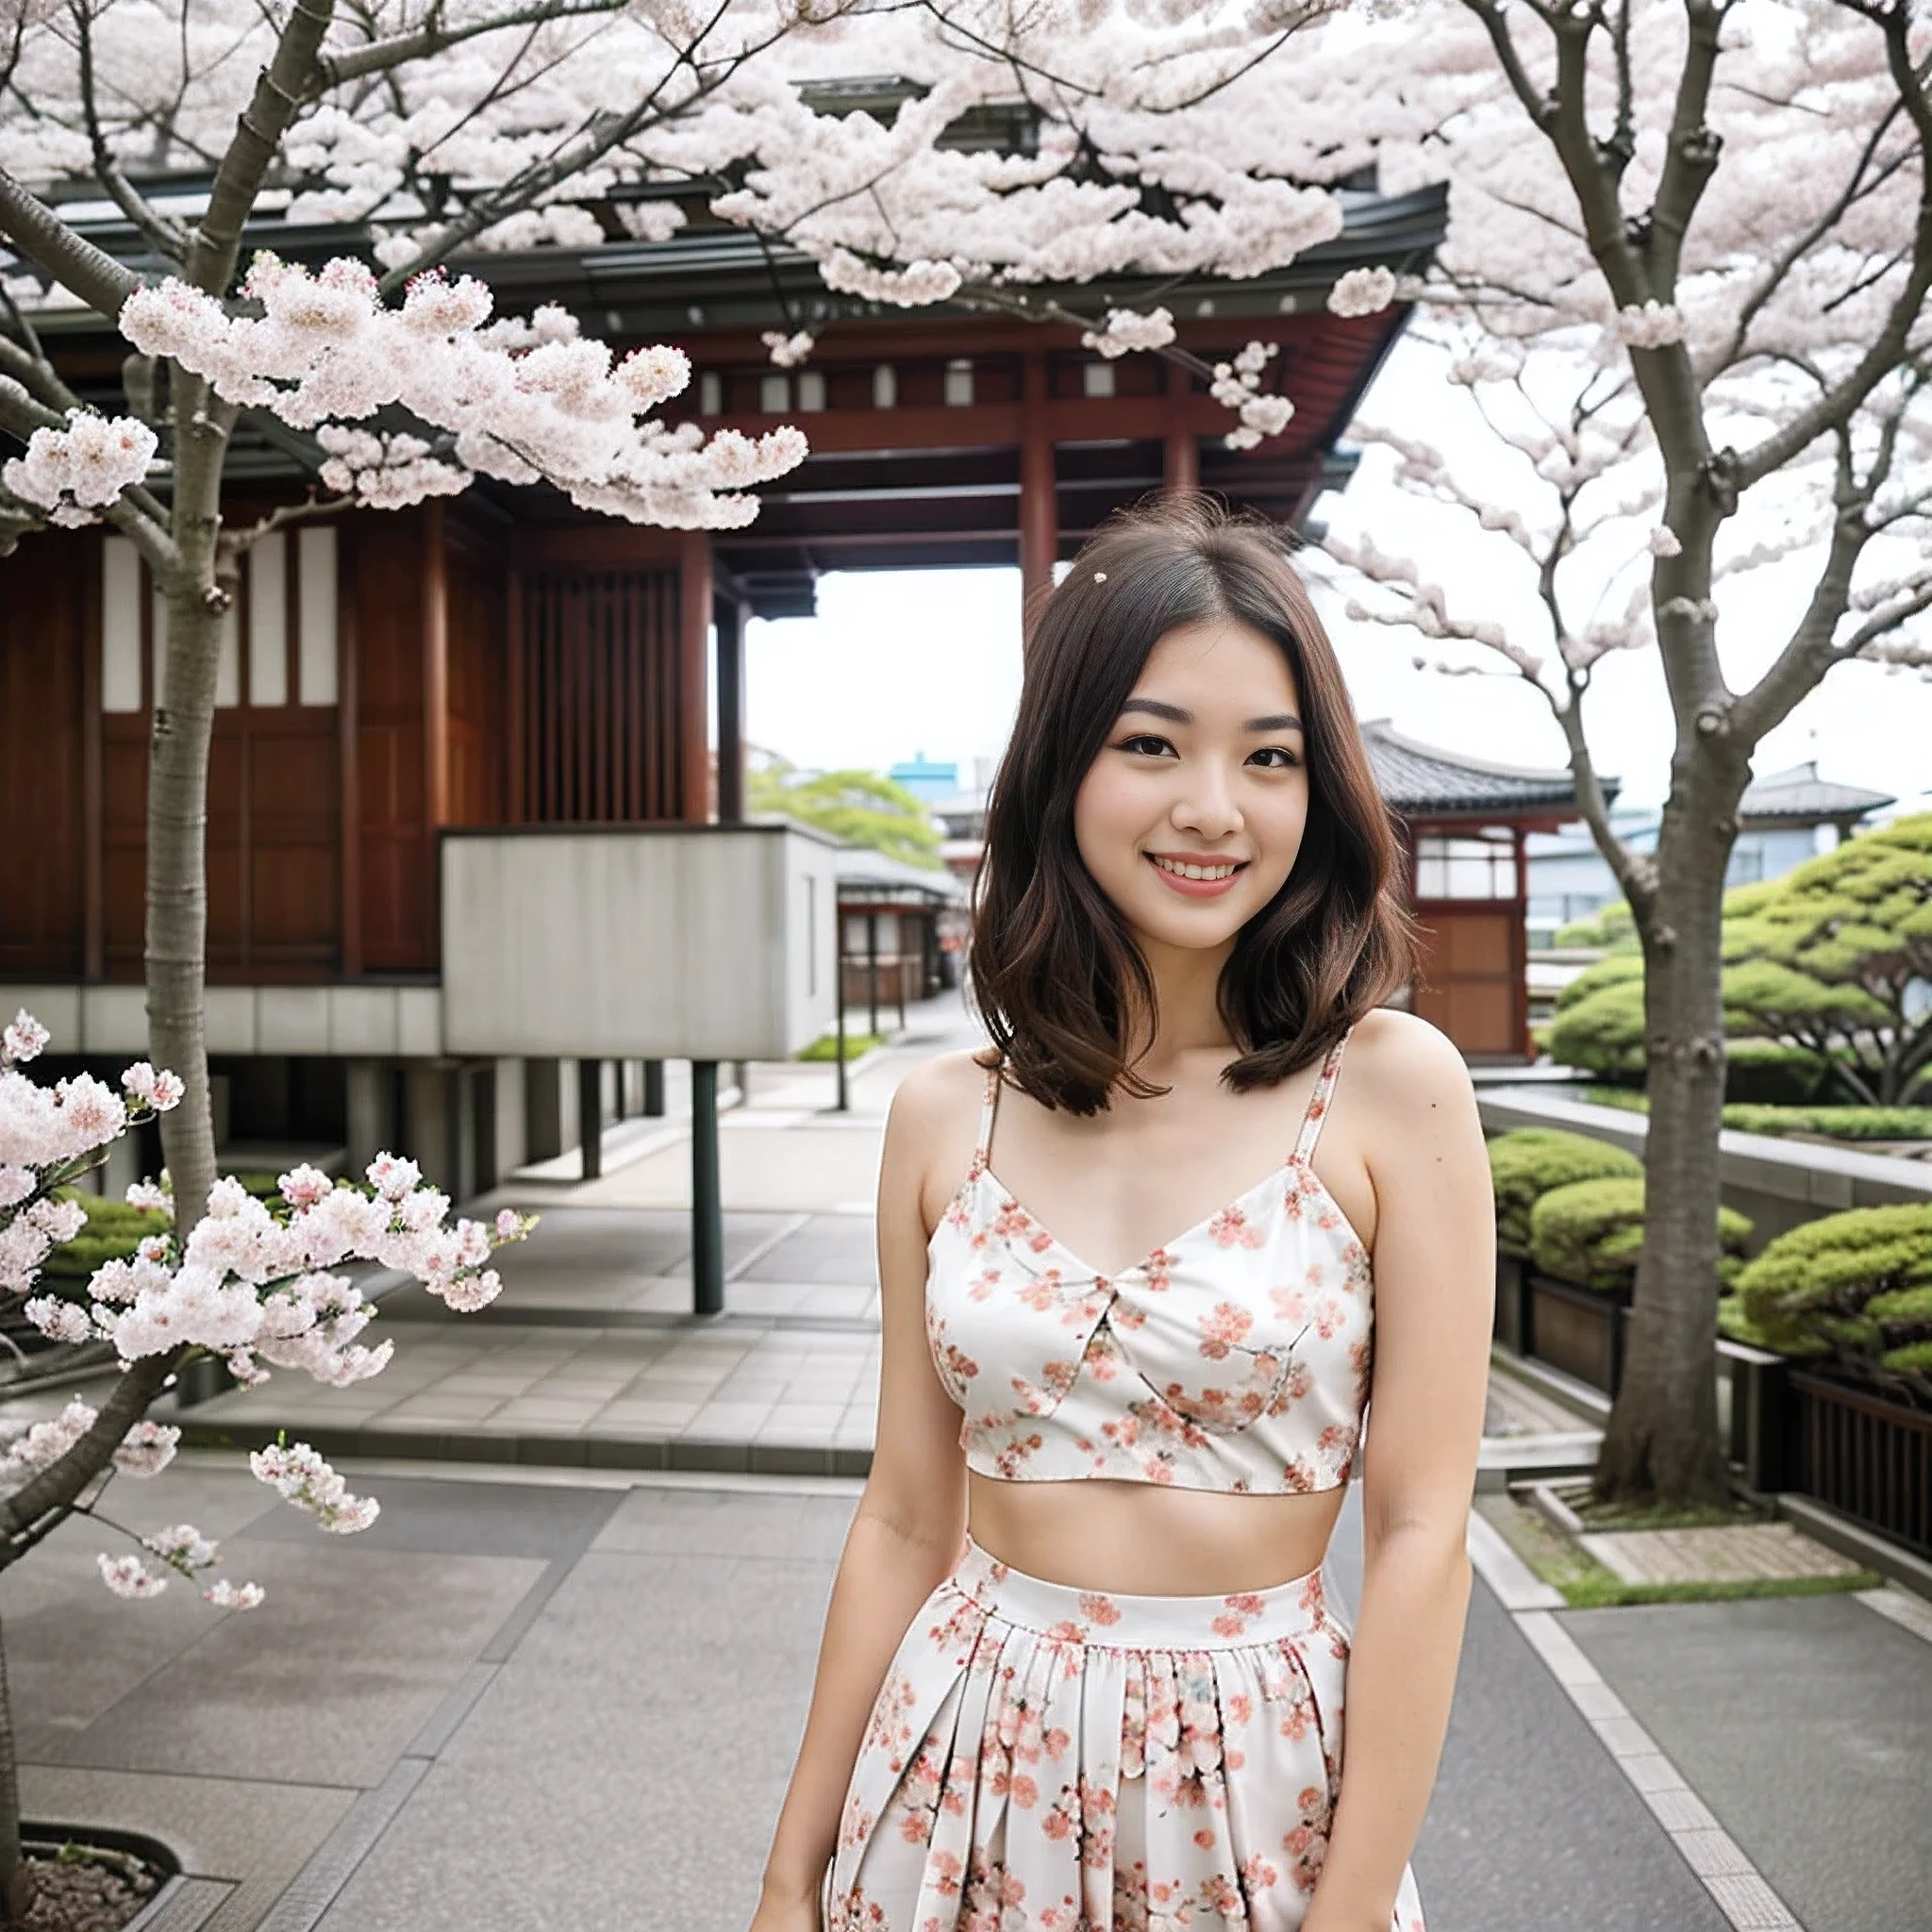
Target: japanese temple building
<point>500,665</point>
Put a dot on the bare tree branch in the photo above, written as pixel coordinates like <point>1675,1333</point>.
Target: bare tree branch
<point>380,57</point>
<point>51,245</point>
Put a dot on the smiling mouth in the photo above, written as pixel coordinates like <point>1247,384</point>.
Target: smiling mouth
<point>1207,871</point>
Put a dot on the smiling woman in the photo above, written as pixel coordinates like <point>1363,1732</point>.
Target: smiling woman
<point>1081,1666</point>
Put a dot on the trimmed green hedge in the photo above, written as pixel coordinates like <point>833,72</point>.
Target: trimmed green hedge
<point>1857,1283</point>
<point>1530,1161</point>
<point>1591,1232</point>
<point>1835,1123</point>
<point>113,1231</point>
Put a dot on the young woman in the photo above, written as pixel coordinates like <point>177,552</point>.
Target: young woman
<point>1080,1670</point>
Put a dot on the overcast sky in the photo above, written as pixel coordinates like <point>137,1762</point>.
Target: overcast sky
<point>896,664</point>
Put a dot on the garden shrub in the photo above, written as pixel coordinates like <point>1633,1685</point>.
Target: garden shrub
<point>1856,1285</point>
<point>1834,1123</point>
<point>113,1231</point>
<point>1591,1232</point>
<point>1530,1161</point>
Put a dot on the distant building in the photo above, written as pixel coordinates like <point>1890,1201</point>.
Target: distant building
<point>925,777</point>
<point>1784,819</point>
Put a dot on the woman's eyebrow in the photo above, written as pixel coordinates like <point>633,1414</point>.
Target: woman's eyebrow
<point>1279,721</point>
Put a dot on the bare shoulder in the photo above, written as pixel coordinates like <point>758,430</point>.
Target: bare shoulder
<point>1403,1070</point>
<point>931,1098</point>
<point>930,1132</point>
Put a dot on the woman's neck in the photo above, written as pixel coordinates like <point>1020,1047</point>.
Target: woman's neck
<point>1187,986</point>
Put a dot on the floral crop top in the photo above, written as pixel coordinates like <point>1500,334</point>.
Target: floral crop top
<point>1236,1357</point>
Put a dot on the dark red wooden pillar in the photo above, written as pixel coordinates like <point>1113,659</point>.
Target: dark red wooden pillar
<point>1038,509</point>
<point>694,637</point>
<point>1182,465</point>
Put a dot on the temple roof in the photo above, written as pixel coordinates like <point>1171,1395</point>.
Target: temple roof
<point>1800,796</point>
<point>1421,781</point>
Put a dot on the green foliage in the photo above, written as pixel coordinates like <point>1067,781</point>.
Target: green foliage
<point>1530,1161</point>
<point>863,807</point>
<point>1598,1023</point>
<point>1591,1233</point>
<point>1607,926</point>
<point>1858,1286</point>
<point>826,1047</point>
<point>1823,973</point>
<point>1830,958</point>
<point>1832,1123</point>
<point>113,1231</point>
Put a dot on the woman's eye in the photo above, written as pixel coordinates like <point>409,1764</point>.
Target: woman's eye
<point>1279,758</point>
<point>1148,742</point>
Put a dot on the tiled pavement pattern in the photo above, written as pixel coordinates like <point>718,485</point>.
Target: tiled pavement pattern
<point>1720,1554</point>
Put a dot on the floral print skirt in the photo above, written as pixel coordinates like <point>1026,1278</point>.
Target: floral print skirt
<point>1041,1758</point>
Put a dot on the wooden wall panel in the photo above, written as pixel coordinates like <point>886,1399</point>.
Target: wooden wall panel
<point>384,579</point>
<point>477,584</point>
<point>124,840</point>
<point>606,697</point>
<point>44,630</point>
<point>293,856</point>
<point>1470,973</point>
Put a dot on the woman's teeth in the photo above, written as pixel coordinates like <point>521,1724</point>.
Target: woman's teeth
<point>1196,872</point>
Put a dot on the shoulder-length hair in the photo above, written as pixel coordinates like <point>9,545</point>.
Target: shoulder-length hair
<point>1057,975</point>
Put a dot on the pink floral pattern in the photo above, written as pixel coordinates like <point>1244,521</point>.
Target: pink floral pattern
<point>1047,1759</point>
<point>1236,1357</point>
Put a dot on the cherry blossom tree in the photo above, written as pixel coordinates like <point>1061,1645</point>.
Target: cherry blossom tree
<point>250,1284</point>
<point>1684,292</point>
<point>434,128</point>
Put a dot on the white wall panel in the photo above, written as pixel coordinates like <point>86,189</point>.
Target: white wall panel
<point>316,628</point>
<point>652,943</point>
<point>267,621</point>
<point>120,626</point>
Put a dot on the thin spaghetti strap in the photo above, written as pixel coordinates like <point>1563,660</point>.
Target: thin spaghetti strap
<point>987,1109</point>
<point>1318,1102</point>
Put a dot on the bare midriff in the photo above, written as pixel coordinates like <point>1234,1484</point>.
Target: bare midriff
<point>1147,1540</point>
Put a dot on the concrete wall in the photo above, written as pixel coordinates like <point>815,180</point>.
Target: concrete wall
<point>1778,1184</point>
<point>647,942</point>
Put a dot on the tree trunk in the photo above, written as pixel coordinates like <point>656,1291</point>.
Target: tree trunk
<point>16,1882</point>
<point>177,795</point>
<point>1661,1442</point>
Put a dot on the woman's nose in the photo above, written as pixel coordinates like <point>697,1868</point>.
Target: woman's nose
<point>1207,807</point>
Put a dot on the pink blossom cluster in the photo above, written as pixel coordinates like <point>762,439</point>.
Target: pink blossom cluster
<point>254,1285</point>
<point>301,1476</point>
<point>182,1548</point>
<point>146,1449</point>
<point>788,352</point>
<point>523,402</point>
<point>1362,291</point>
<point>1126,330</point>
<point>72,474</point>
<point>49,1136</point>
<point>1237,386</point>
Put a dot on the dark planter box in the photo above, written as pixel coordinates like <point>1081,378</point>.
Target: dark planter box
<point>1764,1416</point>
<point>1513,1301</point>
<point>1575,1329</point>
<point>1866,1457</point>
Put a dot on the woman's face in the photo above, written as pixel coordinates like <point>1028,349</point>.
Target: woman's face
<point>1191,816</point>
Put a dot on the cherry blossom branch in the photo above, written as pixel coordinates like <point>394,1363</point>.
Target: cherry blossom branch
<point>1690,156</point>
<point>167,236</point>
<point>57,1485</point>
<point>1838,403</point>
<point>57,250</point>
<point>1784,260</point>
<point>280,91</point>
<point>380,57</point>
<point>305,511</point>
<point>525,188</point>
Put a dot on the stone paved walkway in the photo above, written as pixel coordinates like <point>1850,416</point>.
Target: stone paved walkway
<point>1717,1555</point>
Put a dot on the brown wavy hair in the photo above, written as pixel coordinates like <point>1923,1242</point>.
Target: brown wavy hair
<point>1053,962</point>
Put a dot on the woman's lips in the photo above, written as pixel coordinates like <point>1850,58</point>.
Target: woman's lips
<point>1196,888</point>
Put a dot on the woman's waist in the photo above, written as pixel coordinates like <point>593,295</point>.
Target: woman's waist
<point>1295,1610</point>
<point>1150,1538</point>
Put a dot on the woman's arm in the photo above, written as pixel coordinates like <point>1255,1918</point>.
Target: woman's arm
<point>911,1519</point>
<point>1435,1285</point>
